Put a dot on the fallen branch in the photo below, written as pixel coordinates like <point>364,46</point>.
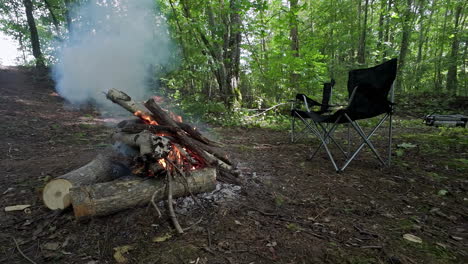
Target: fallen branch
<point>171,206</point>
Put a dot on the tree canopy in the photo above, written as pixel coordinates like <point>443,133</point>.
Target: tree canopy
<point>256,53</point>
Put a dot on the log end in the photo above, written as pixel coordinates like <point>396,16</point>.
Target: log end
<point>56,194</point>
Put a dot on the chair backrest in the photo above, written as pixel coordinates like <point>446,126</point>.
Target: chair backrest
<point>372,88</point>
<point>327,93</point>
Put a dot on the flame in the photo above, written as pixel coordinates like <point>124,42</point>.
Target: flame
<point>148,119</point>
<point>163,163</point>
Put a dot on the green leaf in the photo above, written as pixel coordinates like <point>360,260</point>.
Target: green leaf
<point>406,145</point>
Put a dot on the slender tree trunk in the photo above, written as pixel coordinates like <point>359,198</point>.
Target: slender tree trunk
<point>362,38</point>
<point>36,46</point>
<point>294,37</point>
<point>439,53</point>
<point>380,36</point>
<point>405,39</point>
<point>387,29</point>
<point>68,7</point>
<point>233,54</point>
<point>452,60</point>
<point>52,15</point>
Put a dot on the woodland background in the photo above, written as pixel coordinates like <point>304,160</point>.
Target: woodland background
<point>244,54</point>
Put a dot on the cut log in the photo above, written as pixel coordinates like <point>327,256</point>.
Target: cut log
<point>109,197</point>
<point>105,167</point>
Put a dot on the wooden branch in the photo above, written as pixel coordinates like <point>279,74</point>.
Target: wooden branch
<point>159,114</point>
<point>170,205</point>
<point>114,196</point>
<point>126,102</point>
<point>104,167</point>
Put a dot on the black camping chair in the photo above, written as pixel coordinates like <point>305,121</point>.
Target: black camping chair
<point>302,102</point>
<point>370,95</point>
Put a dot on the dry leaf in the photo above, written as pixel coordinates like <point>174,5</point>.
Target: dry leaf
<point>119,253</point>
<point>412,238</point>
<point>52,246</point>
<point>162,238</point>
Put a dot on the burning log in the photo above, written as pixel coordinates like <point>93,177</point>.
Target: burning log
<point>104,167</point>
<point>109,197</point>
<point>159,122</point>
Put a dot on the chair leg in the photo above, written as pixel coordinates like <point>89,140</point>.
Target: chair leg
<point>333,139</point>
<point>322,139</point>
<point>293,120</point>
<point>366,141</point>
<point>390,134</point>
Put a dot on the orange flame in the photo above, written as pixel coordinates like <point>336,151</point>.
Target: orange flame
<point>148,119</point>
<point>163,163</point>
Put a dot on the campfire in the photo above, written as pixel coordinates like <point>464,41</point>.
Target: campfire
<point>169,159</point>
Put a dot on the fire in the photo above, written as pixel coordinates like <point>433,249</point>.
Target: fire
<point>163,163</point>
<point>148,119</point>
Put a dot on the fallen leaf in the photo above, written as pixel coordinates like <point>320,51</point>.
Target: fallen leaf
<point>412,238</point>
<point>272,244</point>
<point>162,238</point>
<point>237,222</point>
<point>19,207</point>
<point>442,192</point>
<point>406,145</point>
<point>119,253</point>
<point>51,246</point>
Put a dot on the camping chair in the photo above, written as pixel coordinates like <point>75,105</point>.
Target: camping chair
<point>308,104</point>
<point>368,91</point>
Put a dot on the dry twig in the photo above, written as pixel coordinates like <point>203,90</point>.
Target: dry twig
<point>170,205</point>
<point>21,252</point>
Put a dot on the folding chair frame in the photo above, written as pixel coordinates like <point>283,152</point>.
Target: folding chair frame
<point>325,134</point>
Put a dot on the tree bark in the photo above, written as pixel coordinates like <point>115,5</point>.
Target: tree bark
<point>452,60</point>
<point>52,15</point>
<point>362,39</point>
<point>294,37</point>
<point>110,197</point>
<point>405,39</point>
<point>36,46</point>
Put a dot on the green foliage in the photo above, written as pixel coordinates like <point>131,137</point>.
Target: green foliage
<point>271,71</point>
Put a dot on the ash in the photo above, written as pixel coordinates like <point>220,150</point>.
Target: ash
<point>224,192</point>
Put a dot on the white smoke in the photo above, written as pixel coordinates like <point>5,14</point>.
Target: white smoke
<point>112,44</point>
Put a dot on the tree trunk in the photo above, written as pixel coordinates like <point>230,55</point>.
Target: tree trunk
<point>387,29</point>
<point>110,197</point>
<point>68,7</point>
<point>52,15</point>
<point>36,46</point>
<point>452,60</point>
<point>405,39</point>
<point>233,54</point>
<point>294,37</point>
<point>362,39</point>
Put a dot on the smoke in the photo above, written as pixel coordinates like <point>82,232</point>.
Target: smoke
<point>113,44</point>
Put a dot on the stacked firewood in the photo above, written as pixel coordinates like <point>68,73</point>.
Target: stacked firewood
<point>169,159</point>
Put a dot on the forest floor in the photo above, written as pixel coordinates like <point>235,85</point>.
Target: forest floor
<point>289,209</point>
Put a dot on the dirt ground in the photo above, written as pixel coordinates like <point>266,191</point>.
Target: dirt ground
<point>289,210</point>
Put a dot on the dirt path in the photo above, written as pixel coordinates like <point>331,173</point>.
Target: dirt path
<point>289,210</point>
